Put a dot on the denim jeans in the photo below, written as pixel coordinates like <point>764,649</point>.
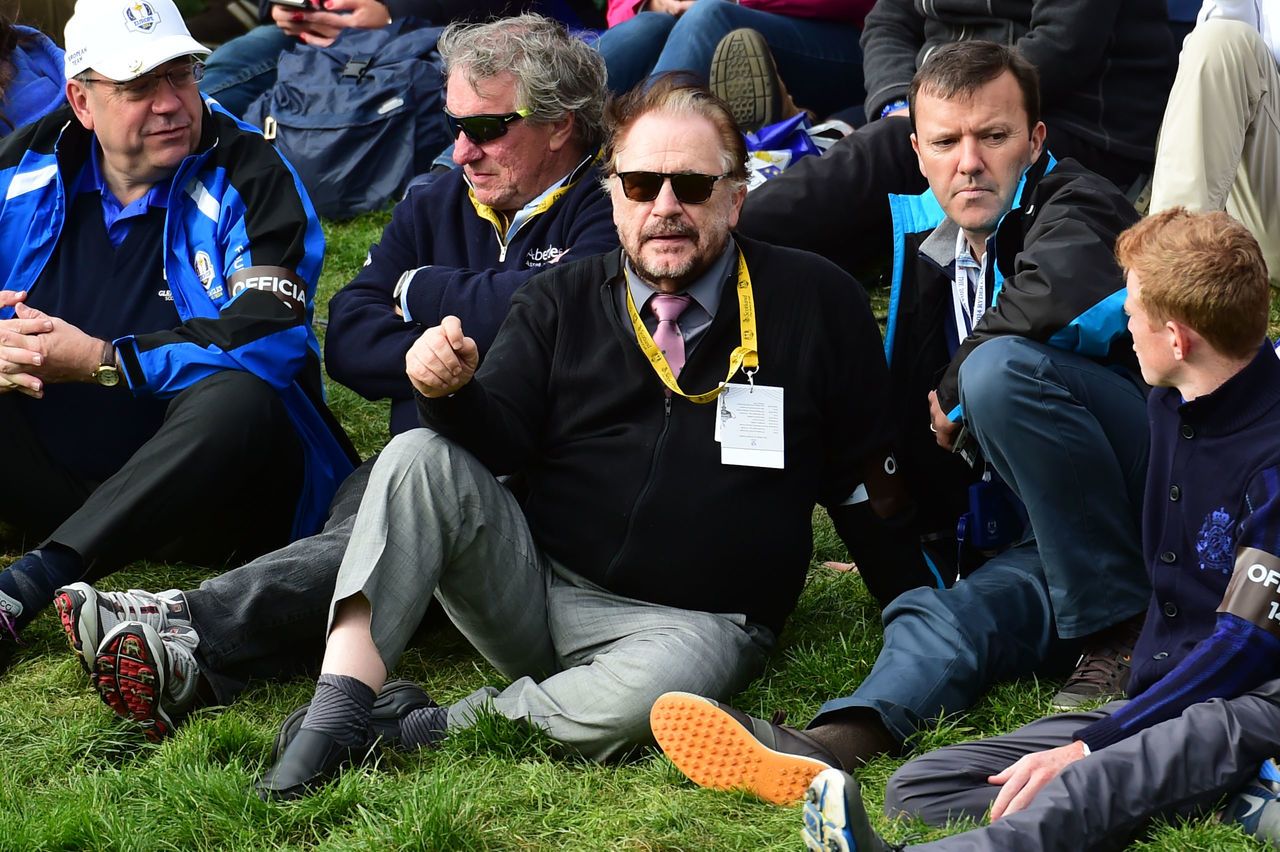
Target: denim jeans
<point>820,61</point>
<point>245,67</point>
<point>1070,437</point>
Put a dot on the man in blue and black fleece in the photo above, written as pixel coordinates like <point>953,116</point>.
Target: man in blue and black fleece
<point>1202,708</point>
<point>160,389</point>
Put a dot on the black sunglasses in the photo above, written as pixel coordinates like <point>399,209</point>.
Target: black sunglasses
<point>483,128</point>
<point>689,187</point>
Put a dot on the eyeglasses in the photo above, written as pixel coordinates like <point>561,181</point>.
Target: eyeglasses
<point>144,86</point>
<point>689,187</point>
<point>485,127</point>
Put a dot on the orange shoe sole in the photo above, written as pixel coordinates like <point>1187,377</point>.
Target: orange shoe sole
<point>714,750</point>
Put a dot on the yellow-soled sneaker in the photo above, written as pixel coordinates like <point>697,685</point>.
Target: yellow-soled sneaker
<point>722,748</point>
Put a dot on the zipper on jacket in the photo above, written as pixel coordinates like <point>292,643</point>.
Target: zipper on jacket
<point>644,491</point>
<point>504,241</point>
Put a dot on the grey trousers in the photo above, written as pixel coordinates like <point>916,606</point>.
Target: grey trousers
<point>586,664</point>
<point>1178,768</point>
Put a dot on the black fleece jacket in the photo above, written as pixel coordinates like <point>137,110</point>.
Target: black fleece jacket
<point>1106,66</point>
<point>626,487</point>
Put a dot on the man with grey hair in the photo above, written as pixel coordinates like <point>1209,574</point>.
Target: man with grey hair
<point>526,99</point>
<point>667,531</point>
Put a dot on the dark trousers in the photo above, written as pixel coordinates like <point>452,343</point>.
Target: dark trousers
<point>268,619</point>
<point>1176,769</point>
<point>220,479</point>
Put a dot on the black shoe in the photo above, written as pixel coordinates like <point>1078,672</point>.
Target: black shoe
<point>397,699</point>
<point>1102,672</point>
<point>725,749</point>
<point>744,76</point>
<point>309,761</point>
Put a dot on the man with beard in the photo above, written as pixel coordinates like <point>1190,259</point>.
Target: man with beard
<point>677,409</point>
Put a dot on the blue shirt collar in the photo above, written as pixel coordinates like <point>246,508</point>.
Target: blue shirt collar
<point>93,180</point>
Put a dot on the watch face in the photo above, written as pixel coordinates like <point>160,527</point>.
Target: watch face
<point>106,376</point>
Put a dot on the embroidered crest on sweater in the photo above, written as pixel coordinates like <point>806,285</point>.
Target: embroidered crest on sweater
<point>1215,544</point>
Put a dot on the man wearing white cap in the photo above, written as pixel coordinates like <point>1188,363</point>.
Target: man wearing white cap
<point>160,391</point>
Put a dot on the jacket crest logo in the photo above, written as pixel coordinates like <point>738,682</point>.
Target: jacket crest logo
<point>1215,545</point>
<point>204,268</point>
<point>141,17</point>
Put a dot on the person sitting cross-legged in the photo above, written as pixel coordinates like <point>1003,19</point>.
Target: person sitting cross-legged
<point>625,573</point>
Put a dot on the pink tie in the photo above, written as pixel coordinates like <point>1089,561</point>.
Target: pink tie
<point>667,309</point>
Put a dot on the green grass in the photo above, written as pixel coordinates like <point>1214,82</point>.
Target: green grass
<point>73,777</point>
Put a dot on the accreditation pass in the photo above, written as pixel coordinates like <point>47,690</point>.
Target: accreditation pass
<point>749,426</point>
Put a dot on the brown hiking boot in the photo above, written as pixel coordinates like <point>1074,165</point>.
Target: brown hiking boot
<point>1102,672</point>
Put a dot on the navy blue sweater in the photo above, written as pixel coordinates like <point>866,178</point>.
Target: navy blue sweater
<point>1211,519</point>
<point>471,273</point>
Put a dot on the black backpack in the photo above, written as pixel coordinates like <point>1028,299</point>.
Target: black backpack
<point>359,118</point>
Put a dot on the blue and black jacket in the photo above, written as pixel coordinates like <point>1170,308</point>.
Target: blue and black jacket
<point>1056,282</point>
<point>242,254</point>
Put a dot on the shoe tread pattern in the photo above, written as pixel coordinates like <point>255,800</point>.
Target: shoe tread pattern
<point>68,603</point>
<point>131,683</point>
<point>743,76</point>
<point>714,750</point>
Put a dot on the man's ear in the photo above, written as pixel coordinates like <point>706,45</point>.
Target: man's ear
<point>1182,339</point>
<point>562,131</point>
<point>915,146</point>
<point>739,195</point>
<point>78,97</point>
<point>1038,134</point>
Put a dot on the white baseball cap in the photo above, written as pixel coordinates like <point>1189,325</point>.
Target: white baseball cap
<point>122,39</point>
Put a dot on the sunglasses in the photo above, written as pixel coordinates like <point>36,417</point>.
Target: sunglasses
<point>144,86</point>
<point>689,188</point>
<point>486,127</point>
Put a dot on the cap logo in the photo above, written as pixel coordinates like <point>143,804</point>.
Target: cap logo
<point>141,17</point>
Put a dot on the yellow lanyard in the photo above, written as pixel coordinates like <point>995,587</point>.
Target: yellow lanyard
<point>744,356</point>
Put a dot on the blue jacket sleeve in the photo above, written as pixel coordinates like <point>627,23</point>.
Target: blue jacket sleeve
<point>265,249</point>
<point>1244,649</point>
<point>1237,657</point>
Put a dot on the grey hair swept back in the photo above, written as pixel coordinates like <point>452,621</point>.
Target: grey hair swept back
<point>556,73</point>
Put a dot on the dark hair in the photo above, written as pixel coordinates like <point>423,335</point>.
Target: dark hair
<point>676,93</point>
<point>961,68</point>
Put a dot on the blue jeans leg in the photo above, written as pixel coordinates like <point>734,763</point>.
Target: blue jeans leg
<point>944,647</point>
<point>1069,436</point>
<point>820,61</point>
<point>631,48</point>
<point>245,67</point>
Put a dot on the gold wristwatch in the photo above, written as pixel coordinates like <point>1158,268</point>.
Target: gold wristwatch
<point>107,374</point>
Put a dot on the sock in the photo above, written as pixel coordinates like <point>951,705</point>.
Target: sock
<point>32,580</point>
<point>425,726</point>
<point>341,708</point>
<point>854,736</point>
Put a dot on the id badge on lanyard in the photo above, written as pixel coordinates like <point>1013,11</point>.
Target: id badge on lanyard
<point>967,318</point>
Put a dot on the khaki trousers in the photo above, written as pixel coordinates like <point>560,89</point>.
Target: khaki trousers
<point>1219,144</point>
